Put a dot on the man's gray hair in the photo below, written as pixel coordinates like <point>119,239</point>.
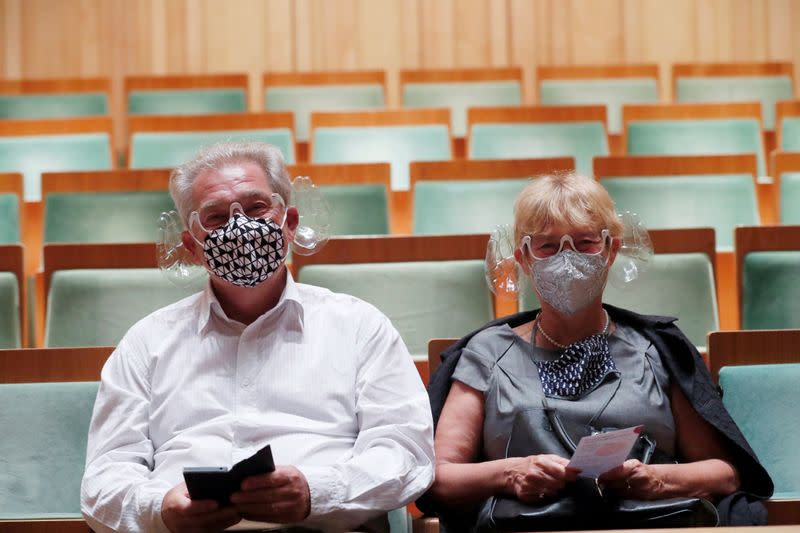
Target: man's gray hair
<point>215,157</point>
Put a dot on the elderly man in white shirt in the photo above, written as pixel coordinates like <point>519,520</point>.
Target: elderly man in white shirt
<point>255,359</point>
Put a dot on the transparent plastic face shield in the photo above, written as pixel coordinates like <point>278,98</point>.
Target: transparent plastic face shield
<point>542,246</point>
<point>215,216</point>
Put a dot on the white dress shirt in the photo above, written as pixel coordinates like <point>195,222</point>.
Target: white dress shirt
<point>322,377</point>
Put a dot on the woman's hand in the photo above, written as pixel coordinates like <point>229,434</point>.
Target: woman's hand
<point>536,477</point>
<point>634,479</point>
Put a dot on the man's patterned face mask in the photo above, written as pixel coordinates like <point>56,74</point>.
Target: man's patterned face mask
<point>246,251</point>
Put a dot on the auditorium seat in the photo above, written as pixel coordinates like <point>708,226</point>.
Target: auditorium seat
<point>54,98</point>
<point>168,141</point>
<point>768,263</point>
<point>12,296</point>
<point>11,191</point>
<point>456,197</point>
<point>460,89</point>
<point>786,173</point>
<point>788,126</point>
<point>428,286</point>
<point>609,85</point>
<point>543,131</point>
<point>194,94</point>
<point>394,136</point>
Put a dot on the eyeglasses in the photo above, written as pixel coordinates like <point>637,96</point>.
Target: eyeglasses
<point>215,216</point>
<point>541,246</point>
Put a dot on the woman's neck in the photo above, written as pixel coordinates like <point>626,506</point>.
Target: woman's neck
<point>567,329</point>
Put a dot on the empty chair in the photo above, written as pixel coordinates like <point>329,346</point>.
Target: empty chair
<point>684,192</point>
<point>460,89</point>
<point>168,141</point>
<point>12,296</point>
<point>54,98</point>
<point>735,82</point>
<point>69,144</point>
<point>694,129</point>
<point>456,197</point>
<point>788,126</point>
<point>96,292</point>
<point>194,94</point>
<point>758,373</point>
<point>10,202</point>
<point>357,194</point>
<point>428,286</point>
<point>609,85</point>
<point>397,137</point>
<point>304,92</point>
<point>533,132</point>
<point>768,263</point>
<point>786,173</point>
<point>104,206</point>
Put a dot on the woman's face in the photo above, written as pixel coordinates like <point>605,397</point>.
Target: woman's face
<point>558,237</point>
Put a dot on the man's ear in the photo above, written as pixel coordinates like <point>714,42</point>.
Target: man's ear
<point>191,246</point>
<point>292,220</point>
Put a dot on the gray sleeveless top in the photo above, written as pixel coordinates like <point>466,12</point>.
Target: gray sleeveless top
<point>500,364</point>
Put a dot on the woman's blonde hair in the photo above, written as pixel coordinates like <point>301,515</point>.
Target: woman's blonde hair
<point>568,199</point>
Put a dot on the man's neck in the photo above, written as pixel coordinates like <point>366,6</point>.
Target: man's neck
<point>246,304</point>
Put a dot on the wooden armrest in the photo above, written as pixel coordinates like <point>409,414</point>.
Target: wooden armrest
<point>425,524</point>
<point>783,512</point>
<point>56,525</point>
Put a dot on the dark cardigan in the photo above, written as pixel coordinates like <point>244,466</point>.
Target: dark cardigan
<point>688,370</point>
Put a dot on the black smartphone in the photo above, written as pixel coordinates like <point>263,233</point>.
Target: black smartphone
<point>218,482</point>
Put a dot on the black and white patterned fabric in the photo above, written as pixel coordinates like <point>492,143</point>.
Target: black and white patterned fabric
<point>580,368</point>
<point>245,251</point>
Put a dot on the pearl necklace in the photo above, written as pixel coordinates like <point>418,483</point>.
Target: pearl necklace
<point>538,326</point>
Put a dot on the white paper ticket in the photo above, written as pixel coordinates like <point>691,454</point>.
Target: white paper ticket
<point>599,453</point>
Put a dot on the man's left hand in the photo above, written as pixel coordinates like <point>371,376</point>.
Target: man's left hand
<point>281,497</point>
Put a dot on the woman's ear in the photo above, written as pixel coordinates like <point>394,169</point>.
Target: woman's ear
<point>520,257</point>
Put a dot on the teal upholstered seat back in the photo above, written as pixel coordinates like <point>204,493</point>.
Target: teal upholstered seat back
<point>612,92</point>
<point>358,209</point>
<point>581,140</point>
<point>718,201</point>
<point>697,137</point>
<point>397,145</point>
<point>459,96</point>
<point>10,333</point>
<point>34,154</point>
<point>170,149</point>
<point>186,101</point>
<point>104,216</point>
<point>9,218</point>
<point>53,105</point>
<point>424,300</point>
<point>765,89</point>
<point>790,136</point>
<point>458,206</point>
<point>771,290</point>
<point>302,100</point>
<point>43,451</point>
<point>95,307</point>
<point>790,198</point>
<point>763,399</point>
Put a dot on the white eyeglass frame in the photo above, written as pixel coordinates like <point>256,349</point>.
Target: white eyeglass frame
<point>194,216</point>
<point>526,243</point>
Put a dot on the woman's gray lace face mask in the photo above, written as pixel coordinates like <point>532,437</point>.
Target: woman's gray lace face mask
<point>569,281</point>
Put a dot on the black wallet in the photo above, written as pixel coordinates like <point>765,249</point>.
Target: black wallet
<point>218,482</point>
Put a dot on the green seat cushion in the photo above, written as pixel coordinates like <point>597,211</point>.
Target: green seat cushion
<point>581,140</point>
<point>457,206</point>
<point>9,218</point>
<point>424,300</point>
<point>95,307</point>
<point>10,333</point>
<point>790,198</point>
<point>357,209</point>
<point>697,137</point>
<point>718,201</point>
<point>104,216</point>
<point>613,93</point>
<point>397,145</point>
<point>186,102</point>
<point>765,89</point>
<point>32,155</point>
<point>53,105</point>
<point>790,135</point>
<point>43,452</point>
<point>459,96</point>
<point>763,399</point>
<point>302,100</point>
<point>771,290</point>
<point>170,149</point>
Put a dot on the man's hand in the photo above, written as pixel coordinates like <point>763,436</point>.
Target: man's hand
<point>180,513</point>
<point>281,497</point>
<point>534,478</point>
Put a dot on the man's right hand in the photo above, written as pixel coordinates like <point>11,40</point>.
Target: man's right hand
<point>180,513</point>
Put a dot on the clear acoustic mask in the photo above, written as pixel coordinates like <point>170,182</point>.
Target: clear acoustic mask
<point>312,233</point>
<point>502,272</point>
<point>635,252</point>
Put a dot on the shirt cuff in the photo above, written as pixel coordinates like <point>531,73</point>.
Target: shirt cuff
<point>151,499</point>
<point>326,489</point>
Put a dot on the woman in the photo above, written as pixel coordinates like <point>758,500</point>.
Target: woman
<point>590,364</point>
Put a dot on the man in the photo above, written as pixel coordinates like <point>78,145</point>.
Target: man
<point>255,359</point>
